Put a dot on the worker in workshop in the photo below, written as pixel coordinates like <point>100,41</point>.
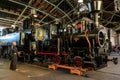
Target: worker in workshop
<point>14,53</point>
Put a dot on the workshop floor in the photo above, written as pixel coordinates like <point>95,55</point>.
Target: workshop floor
<point>32,72</point>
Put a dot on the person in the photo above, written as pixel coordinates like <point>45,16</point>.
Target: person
<point>14,53</point>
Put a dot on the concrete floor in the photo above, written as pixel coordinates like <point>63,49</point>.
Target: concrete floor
<point>33,72</point>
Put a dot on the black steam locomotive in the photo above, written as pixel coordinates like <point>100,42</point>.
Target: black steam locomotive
<point>80,46</point>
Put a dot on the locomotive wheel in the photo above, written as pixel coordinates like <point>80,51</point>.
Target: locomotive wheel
<point>78,61</point>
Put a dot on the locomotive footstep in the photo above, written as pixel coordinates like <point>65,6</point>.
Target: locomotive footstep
<point>115,60</point>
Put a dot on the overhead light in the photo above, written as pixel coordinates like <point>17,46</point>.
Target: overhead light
<point>80,1</point>
<point>33,12</point>
<point>35,15</point>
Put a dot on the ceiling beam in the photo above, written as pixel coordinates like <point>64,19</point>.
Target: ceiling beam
<point>59,9</point>
<point>70,12</point>
<point>111,12</point>
<point>9,20</point>
<point>14,1</point>
<point>109,5</point>
<point>11,13</point>
<point>117,27</point>
<point>110,20</point>
<point>64,15</point>
<point>52,10</point>
<point>16,15</point>
<point>22,12</point>
<point>70,3</point>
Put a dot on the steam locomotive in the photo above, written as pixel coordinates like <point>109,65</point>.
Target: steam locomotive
<point>83,45</point>
<point>80,45</point>
<point>7,36</point>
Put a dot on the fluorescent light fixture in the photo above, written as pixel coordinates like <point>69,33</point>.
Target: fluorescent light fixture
<point>80,1</point>
<point>35,15</point>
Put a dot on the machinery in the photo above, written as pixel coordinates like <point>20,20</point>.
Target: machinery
<point>26,40</point>
<point>7,36</point>
<point>77,47</point>
<point>83,46</point>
